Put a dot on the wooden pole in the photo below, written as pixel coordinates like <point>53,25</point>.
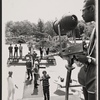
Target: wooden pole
<point>69,71</point>
<point>74,37</point>
<point>60,38</point>
<point>68,78</point>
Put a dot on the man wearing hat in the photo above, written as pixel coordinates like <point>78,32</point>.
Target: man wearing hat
<point>87,74</point>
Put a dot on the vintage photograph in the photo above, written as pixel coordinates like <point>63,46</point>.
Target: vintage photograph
<point>49,49</point>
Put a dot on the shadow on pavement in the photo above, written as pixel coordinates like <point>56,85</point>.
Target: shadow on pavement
<point>35,91</point>
<point>59,92</point>
<point>28,82</point>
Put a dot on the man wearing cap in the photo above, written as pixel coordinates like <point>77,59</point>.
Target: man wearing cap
<point>87,74</point>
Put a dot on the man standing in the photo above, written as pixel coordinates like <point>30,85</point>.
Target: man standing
<point>16,51</point>
<point>36,75</point>
<point>10,48</point>
<point>41,52</point>
<point>87,74</point>
<point>45,82</point>
<point>29,67</point>
<point>20,50</point>
<point>34,55</point>
<point>47,51</point>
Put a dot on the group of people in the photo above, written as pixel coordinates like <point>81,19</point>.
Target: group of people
<point>32,66</point>
<point>16,49</point>
<point>43,51</point>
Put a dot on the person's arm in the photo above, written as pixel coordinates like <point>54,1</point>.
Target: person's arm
<point>48,76</point>
<point>41,79</point>
<point>16,86</point>
<point>91,59</point>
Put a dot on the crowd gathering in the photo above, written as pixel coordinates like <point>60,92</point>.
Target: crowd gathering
<point>18,51</point>
<point>32,67</point>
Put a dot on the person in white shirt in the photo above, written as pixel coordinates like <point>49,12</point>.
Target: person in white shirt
<point>11,86</point>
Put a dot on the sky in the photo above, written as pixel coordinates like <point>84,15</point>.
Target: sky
<point>32,10</point>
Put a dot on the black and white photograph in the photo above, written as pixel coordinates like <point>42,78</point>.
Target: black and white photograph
<point>49,49</point>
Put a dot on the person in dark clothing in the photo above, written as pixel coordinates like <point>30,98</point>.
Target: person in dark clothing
<point>34,55</point>
<point>10,48</point>
<point>87,74</point>
<point>15,51</point>
<point>41,52</point>
<point>29,67</point>
<point>20,50</point>
<point>45,82</point>
<point>47,51</point>
<point>85,78</point>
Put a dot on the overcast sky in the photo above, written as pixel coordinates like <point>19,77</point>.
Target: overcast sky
<point>32,10</point>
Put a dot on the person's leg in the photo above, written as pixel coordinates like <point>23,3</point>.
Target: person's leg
<point>37,75</point>
<point>13,92</point>
<point>31,74</point>
<point>9,94</point>
<point>35,81</point>
<point>48,94</point>
<point>41,55</point>
<point>11,55</point>
<point>85,93</point>
<point>20,54</point>
<point>14,54</point>
<point>28,73</point>
<point>44,92</point>
<point>91,96</point>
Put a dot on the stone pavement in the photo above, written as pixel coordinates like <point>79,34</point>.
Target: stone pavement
<point>54,71</point>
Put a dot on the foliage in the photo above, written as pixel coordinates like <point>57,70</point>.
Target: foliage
<point>49,28</point>
<point>40,26</point>
<point>41,31</point>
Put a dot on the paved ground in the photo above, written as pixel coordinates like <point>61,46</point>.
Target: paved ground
<point>54,71</point>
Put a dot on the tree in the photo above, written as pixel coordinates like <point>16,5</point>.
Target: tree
<point>8,29</point>
<point>40,26</point>
<point>49,28</point>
